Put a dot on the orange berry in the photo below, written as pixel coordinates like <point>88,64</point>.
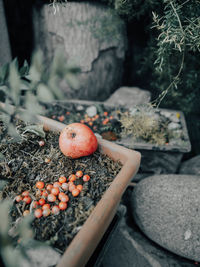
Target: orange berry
<point>40,185</point>
<point>72,178</point>
<point>25,193</point>
<point>72,187</point>
<point>62,205</point>
<point>79,174</point>
<point>44,193</point>
<point>41,201</point>
<point>86,178</point>
<point>55,191</point>
<point>55,210</point>
<point>27,200</point>
<point>60,195</point>
<point>105,121</point>
<point>51,198</point>
<point>38,213</point>
<point>105,113</point>
<point>64,198</point>
<point>57,184</point>
<point>41,143</point>
<point>61,118</point>
<point>18,198</point>
<point>49,187</point>
<point>75,192</point>
<point>82,121</point>
<point>96,116</point>
<point>46,206</point>
<point>90,123</point>
<point>79,187</point>
<point>87,119</point>
<point>65,186</point>
<point>46,212</point>
<point>47,160</point>
<point>111,117</point>
<point>62,179</point>
<point>35,204</point>
<point>67,113</point>
<point>26,212</point>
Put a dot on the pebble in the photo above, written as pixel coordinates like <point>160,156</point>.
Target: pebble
<point>91,111</point>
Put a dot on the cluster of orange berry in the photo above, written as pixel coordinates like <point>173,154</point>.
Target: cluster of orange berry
<point>61,118</point>
<point>52,193</point>
<point>89,120</point>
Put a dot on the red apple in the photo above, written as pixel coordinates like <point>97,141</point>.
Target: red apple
<point>77,140</point>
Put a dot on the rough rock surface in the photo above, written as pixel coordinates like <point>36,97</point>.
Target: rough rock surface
<point>191,166</point>
<point>5,53</point>
<point>92,36</point>
<point>130,248</point>
<point>129,97</point>
<point>166,209</point>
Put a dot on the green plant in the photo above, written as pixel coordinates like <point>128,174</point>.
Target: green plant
<point>171,57</point>
<point>143,124</point>
<point>28,86</point>
<point>12,254</point>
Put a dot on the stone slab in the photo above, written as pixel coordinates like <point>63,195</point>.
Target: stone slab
<point>129,97</point>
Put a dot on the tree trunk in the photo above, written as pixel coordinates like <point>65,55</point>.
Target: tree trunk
<point>91,35</point>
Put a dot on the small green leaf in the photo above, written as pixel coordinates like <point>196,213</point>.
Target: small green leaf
<point>13,132</point>
<point>2,157</point>
<point>44,94</point>
<point>24,69</point>
<point>35,129</point>
<point>2,184</point>
<point>24,228</point>
<point>14,82</point>
<point>37,67</point>
<point>4,70</point>
<point>72,80</point>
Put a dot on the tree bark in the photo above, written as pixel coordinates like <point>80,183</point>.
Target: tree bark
<point>92,36</point>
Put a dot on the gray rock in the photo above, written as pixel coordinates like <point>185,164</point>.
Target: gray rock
<point>130,248</point>
<point>191,166</point>
<point>166,113</point>
<point>92,36</point>
<point>5,52</point>
<point>91,111</point>
<point>79,108</point>
<point>174,118</point>
<point>129,97</point>
<point>166,209</point>
<point>41,256</point>
<point>173,126</point>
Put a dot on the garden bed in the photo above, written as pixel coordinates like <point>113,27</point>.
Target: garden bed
<point>26,162</point>
<point>157,129</point>
<point>88,235</point>
<point>162,146</point>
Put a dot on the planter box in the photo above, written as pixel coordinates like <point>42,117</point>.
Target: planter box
<point>155,158</point>
<point>87,239</point>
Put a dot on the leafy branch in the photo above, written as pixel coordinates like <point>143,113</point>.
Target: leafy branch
<point>28,86</point>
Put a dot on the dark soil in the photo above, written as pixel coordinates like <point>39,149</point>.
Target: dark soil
<point>72,112</point>
<point>120,123</point>
<point>25,163</point>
